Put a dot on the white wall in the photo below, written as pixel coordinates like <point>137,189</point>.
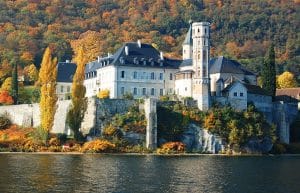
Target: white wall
<point>63,89</point>
<point>238,102</point>
<point>183,87</point>
<point>105,79</point>
<point>140,78</point>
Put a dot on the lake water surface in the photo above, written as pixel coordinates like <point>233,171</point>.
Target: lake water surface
<point>148,173</point>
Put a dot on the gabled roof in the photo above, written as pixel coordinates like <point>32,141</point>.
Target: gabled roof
<point>65,71</point>
<point>252,89</point>
<point>292,92</point>
<point>225,65</point>
<point>142,55</point>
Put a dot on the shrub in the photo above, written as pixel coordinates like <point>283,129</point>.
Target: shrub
<point>103,94</point>
<point>4,121</point>
<point>5,98</point>
<point>128,96</point>
<point>54,141</point>
<point>98,146</point>
<point>39,135</point>
<point>171,147</point>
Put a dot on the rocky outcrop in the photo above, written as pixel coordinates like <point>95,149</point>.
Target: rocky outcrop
<point>258,146</point>
<point>200,140</point>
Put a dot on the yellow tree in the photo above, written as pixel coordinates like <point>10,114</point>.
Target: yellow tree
<point>31,72</point>
<point>286,80</point>
<point>79,101</point>
<point>47,80</point>
<point>91,41</point>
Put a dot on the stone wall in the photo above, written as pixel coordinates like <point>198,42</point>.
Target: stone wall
<point>28,115</point>
<point>284,115</point>
<point>151,116</point>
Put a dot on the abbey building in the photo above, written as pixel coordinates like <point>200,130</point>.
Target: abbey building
<point>143,71</point>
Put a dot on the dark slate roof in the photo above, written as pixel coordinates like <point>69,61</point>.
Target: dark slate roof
<point>187,62</point>
<point>225,65</point>
<point>188,38</point>
<point>65,71</point>
<point>254,89</point>
<point>220,80</point>
<point>144,54</point>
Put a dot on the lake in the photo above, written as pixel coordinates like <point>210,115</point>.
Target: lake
<point>148,173</point>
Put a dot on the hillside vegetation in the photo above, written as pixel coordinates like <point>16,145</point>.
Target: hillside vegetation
<point>241,30</point>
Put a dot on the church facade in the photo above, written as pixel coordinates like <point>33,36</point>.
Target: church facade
<point>143,71</point>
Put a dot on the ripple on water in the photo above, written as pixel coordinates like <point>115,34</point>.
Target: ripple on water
<point>122,174</point>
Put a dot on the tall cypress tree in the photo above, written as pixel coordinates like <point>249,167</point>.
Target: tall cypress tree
<point>79,101</point>
<point>15,86</point>
<point>268,73</point>
<point>47,79</point>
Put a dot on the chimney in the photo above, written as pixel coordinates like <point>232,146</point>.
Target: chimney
<point>161,55</point>
<point>126,50</point>
<point>139,43</point>
<point>98,58</point>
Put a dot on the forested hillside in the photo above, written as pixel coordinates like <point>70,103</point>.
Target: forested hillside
<point>241,29</point>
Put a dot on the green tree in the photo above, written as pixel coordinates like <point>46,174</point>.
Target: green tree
<point>268,74</point>
<point>79,101</point>
<point>14,86</point>
<point>47,80</point>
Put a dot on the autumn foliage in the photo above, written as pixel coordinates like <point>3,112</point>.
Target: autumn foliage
<point>172,147</point>
<point>5,98</point>
<point>98,146</point>
<point>47,80</point>
<point>286,80</point>
<point>103,94</point>
<point>79,101</point>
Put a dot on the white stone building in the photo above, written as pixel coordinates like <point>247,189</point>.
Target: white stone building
<point>143,71</point>
<point>135,68</point>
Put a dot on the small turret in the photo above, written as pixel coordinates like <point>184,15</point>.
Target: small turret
<point>187,45</point>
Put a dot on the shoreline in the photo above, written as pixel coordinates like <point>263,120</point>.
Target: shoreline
<point>147,154</point>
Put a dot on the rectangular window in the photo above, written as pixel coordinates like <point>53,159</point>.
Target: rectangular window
<point>152,91</point>
<point>144,91</point>
<point>171,76</point>
<point>152,75</point>
<point>61,88</point>
<point>235,94</point>
<point>123,74</point>
<point>161,76</point>
<point>68,89</point>
<point>134,91</point>
<point>161,92</point>
<point>241,94</point>
<point>134,75</point>
<point>122,90</point>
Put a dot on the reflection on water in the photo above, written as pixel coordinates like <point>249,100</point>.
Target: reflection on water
<point>130,174</point>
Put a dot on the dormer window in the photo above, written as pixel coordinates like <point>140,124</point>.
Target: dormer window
<point>121,60</point>
<point>135,60</point>
<point>151,61</point>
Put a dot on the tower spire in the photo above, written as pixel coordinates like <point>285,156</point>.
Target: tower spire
<point>187,45</point>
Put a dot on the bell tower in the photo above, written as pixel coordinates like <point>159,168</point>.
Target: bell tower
<point>201,80</point>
